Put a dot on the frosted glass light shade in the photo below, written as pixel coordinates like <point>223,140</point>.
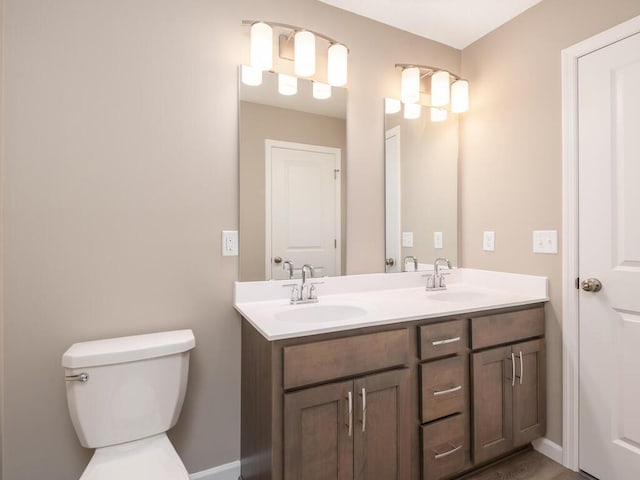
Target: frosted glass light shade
<point>391,106</point>
<point>460,96</point>
<point>440,89</point>
<point>251,76</point>
<point>304,54</point>
<point>287,85</point>
<point>337,65</point>
<point>321,91</point>
<point>261,46</point>
<point>412,111</point>
<point>438,114</point>
<point>410,87</point>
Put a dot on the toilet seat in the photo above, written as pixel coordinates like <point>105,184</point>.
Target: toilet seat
<point>152,458</point>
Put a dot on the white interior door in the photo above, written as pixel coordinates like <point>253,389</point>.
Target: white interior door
<point>303,208</point>
<point>609,219</point>
<point>392,199</point>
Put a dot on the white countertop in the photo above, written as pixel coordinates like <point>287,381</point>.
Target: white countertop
<point>356,301</point>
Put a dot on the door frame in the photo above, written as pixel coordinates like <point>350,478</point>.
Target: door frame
<point>394,131</point>
<point>570,201</point>
<point>268,145</point>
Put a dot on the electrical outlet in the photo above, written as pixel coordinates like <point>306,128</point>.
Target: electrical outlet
<point>489,241</point>
<point>437,239</point>
<point>545,241</point>
<point>229,243</point>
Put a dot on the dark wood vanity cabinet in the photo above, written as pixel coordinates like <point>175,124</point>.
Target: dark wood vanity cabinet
<point>356,429</point>
<point>423,399</point>
<point>509,383</point>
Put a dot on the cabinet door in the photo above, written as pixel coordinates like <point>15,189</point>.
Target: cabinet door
<point>318,443</point>
<point>529,403</point>
<point>492,403</point>
<point>381,437</point>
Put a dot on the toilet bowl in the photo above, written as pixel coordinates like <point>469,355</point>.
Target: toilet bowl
<point>123,395</point>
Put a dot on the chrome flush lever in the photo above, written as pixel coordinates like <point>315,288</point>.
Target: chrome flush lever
<point>81,377</point>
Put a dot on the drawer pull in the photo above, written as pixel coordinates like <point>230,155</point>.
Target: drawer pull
<point>521,368</point>
<point>350,414</point>
<point>445,341</point>
<point>438,456</point>
<point>364,410</point>
<point>448,390</point>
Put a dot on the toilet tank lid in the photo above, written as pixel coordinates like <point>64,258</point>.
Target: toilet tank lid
<point>127,349</point>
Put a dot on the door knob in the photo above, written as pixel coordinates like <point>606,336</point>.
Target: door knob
<point>390,262</point>
<point>591,285</point>
<point>277,260</point>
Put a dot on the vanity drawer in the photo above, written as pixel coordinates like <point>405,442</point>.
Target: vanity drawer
<point>344,357</point>
<point>444,387</point>
<point>506,327</point>
<point>445,338</point>
<point>445,447</point>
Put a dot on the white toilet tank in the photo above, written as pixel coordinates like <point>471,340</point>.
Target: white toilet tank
<point>134,387</point>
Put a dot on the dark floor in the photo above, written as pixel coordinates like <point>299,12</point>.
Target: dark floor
<point>530,465</point>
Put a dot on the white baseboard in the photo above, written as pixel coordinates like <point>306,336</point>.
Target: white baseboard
<point>549,449</point>
<point>228,471</point>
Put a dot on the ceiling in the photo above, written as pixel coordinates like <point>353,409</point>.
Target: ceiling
<point>457,23</point>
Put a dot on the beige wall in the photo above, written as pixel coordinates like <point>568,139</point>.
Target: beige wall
<point>120,173</point>
<point>429,184</point>
<point>511,164</point>
<point>257,123</point>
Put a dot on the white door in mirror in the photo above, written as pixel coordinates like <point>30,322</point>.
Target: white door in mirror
<point>303,208</point>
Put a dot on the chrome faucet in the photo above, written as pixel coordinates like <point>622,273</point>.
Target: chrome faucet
<point>288,265</point>
<point>413,259</point>
<point>305,292</point>
<point>435,281</point>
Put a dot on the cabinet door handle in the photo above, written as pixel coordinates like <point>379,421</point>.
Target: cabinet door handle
<point>364,409</point>
<point>350,413</point>
<point>448,390</point>
<point>521,367</point>
<point>445,341</point>
<point>438,456</point>
<point>513,369</point>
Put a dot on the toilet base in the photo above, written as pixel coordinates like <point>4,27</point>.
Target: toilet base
<point>152,458</point>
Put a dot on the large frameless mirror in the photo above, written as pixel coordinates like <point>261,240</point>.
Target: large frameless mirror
<point>292,157</point>
<point>421,187</point>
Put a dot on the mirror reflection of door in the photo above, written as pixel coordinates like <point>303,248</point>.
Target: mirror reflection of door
<point>302,208</point>
<point>392,199</point>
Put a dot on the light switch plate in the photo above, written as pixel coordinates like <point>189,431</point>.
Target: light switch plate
<point>437,239</point>
<point>407,239</point>
<point>489,241</point>
<point>229,243</point>
<point>545,241</point>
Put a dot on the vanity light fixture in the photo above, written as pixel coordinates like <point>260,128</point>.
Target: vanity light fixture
<point>261,46</point>
<point>459,96</point>
<point>251,76</point>
<point>440,88</point>
<point>410,85</point>
<point>304,50</point>
<point>392,105</point>
<point>337,64</point>
<point>287,85</point>
<point>321,91</point>
<point>412,111</point>
<point>446,89</point>
<point>305,53</point>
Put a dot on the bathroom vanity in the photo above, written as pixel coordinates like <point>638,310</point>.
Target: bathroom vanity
<point>450,381</point>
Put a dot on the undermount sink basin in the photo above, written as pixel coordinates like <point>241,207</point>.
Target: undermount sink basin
<point>319,313</point>
<point>459,296</point>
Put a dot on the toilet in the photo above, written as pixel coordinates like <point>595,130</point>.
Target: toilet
<point>123,395</point>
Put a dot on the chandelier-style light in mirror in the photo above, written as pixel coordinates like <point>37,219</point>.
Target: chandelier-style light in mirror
<point>447,91</point>
<point>303,54</point>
